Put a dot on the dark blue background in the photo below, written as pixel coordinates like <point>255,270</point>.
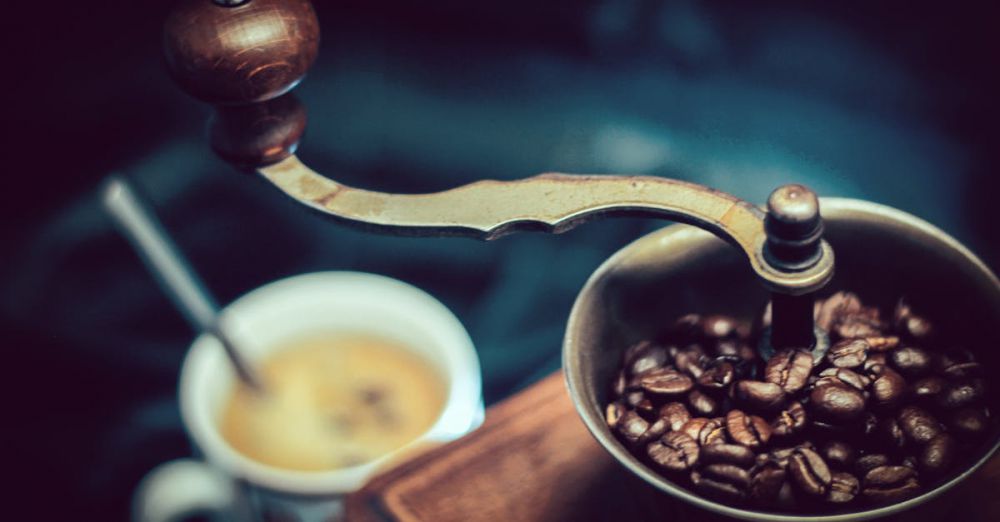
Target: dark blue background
<point>893,102</point>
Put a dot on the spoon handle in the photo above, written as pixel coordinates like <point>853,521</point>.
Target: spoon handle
<point>137,222</point>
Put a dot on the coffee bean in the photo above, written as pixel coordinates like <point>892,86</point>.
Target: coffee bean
<point>963,370</point>
<point>716,488</point>
<point>890,483</point>
<point>633,398</point>
<point>919,425</point>
<point>809,472</point>
<point>911,361</point>
<point>706,431</point>
<point>962,393</point>
<point>843,376</point>
<point>766,481</point>
<point>717,376</point>
<point>875,359</point>
<point>735,454</point>
<point>882,343</point>
<point>689,361</point>
<point>866,463</point>
<point>656,430</point>
<point>762,396</point>
<point>702,404</point>
<point>613,414</point>
<point>854,326</point>
<point>834,308</point>
<point>837,402</point>
<point>848,353</point>
<point>748,430</point>
<point>938,455</point>
<point>890,435</point>
<point>675,413</point>
<point>718,326</point>
<point>618,386</point>
<point>790,421</point>
<point>928,389</point>
<point>888,387</point>
<point>838,454</point>
<point>632,426</point>
<point>647,357</point>
<point>789,369</point>
<point>685,328</point>
<point>675,451</point>
<point>664,382</point>
<point>909,324</point>
<point>727,473</point>
<point>843,488</point>
<point>969,422</point>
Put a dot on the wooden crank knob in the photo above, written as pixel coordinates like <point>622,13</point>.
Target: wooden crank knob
<point>230,52</point>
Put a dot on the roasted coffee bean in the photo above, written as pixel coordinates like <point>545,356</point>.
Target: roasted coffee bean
<point>790,421</point>
<point>963,370</point>
<point>834,308</point>
<point>656,430</point>
<point>843,376</point>
<point>962,393</point>
<point>633,398</point>
<point>632,426</point>
<point>789,369</point>
<point>866,463</point>
<point>938,455</point>
<point>647,357</point>
<point>882,343</point>
<point>716,488</point>
<point>890,483</point>
<point>762,396</point>
<point>888,387</point>
<point>727,473</point>
<point>664,382</point>
<point>702,404</point>
<point>809,472</point>
<point>869,424</point>
<point>928,389</point>
<point>910,361</point>
<point>838,454</point>
<point>718,326</point>
<point>706,431</point>
<point>919,425</point>
<point>854,326</point>
<point>748,430</point>
<point>837,402</point>
<point>890,435</point>
<point>717,376</point>
<point>909,461</point>
<point>685,328</point>
<point>675,413</point>
<point>613,414</point>
<point>848,353</point>
<point>735,454</point>
<point>969,422</point>
<point>766,480</point>
<point>689,361</point>
<point>843,488</point>
<point>675,451</point>
<point>909,324</point>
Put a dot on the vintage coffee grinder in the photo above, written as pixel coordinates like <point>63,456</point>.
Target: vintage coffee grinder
<point>244,56</point>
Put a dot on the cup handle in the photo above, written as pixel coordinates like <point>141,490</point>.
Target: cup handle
<point>182,488</point>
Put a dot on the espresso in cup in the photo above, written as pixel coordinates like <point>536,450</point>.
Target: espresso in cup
<point>334,401</point>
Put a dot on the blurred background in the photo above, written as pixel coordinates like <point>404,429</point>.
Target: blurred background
<point>892,102</point>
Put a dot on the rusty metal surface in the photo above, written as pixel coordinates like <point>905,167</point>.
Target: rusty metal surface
<point>550,203</point>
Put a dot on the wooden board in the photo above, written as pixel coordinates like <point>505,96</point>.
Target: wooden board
<point>533,460</point>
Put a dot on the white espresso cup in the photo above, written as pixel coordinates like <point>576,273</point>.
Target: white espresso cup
<point>228,486</point>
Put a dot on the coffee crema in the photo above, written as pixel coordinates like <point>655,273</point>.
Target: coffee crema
<point>334,401</point>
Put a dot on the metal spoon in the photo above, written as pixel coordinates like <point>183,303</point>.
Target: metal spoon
<point>137,222</point>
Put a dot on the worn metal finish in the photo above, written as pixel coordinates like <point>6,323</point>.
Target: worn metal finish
<point>549,203</point>
<point>882,254</point>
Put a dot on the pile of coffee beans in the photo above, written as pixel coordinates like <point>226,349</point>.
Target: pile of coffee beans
<point>887,412</point>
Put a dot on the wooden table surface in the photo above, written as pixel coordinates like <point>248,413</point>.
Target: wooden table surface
<point>533,460</point>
